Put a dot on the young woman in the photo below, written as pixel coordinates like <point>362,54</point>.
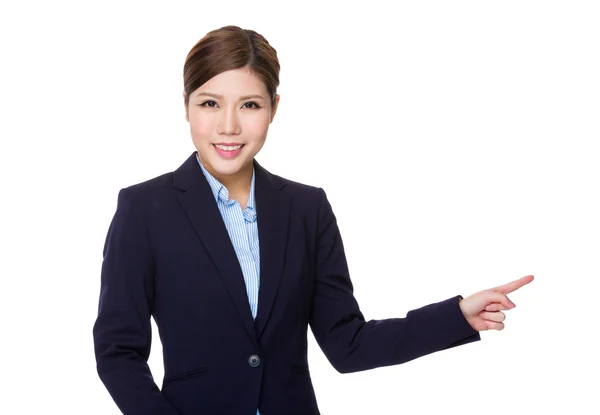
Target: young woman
<point>234,263</point>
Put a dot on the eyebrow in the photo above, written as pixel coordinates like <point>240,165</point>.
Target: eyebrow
<point>210,94</point>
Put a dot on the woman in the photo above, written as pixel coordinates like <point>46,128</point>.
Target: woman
<point>234,263</point>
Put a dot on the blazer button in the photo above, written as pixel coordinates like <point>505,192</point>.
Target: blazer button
<point>254,360</point>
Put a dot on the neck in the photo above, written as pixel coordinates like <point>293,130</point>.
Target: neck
<point>235,183</point>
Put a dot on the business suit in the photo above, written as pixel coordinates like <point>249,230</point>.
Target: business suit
<point>168,255</point>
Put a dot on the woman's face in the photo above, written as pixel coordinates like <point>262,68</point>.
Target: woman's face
<point>229,117</point>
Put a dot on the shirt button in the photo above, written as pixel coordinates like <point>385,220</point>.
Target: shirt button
<point>254,360</point>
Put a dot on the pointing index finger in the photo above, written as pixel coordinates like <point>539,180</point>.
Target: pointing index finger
<point>514,285</point>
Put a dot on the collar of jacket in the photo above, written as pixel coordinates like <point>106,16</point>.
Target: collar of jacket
<point>273,214</point>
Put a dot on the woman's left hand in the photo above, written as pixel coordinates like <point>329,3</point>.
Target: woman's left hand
<point>483,309</point>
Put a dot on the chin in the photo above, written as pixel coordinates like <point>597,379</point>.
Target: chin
<point>228,167</point>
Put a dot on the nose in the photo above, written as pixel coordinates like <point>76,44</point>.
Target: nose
<point>228,122</point>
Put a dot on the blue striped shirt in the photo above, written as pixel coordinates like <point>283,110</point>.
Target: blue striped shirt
<point>243,232</point>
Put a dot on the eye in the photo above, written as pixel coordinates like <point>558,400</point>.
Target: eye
<point>208,102</point>
<point>252,103</point>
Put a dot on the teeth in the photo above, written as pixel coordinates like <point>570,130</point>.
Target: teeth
<point>228,148</point>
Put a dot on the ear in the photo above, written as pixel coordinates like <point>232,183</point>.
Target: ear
<point>187,114</point>
<point>274,109</point>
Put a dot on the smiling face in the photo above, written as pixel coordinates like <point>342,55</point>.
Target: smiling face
<point>229,117</point>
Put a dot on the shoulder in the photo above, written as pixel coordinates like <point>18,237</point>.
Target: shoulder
<point>310,196</point>
<point>299,189</point>
<point>303,191</point>
<point>164,184</point>
<point>153,192</point>
<point>155,184</point>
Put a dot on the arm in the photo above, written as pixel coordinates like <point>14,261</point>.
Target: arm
<point>351,344</point>
<point>122,331</point>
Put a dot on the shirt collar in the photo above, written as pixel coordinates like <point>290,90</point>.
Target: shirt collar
<point>221,193</point>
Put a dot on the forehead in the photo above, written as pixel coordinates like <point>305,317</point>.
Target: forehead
<point>234,83</point>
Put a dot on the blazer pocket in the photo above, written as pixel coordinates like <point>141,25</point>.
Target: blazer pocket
<point>298,368</point>
<point>184,376</point>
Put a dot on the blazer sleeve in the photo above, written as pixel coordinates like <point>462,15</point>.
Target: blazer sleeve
<point>122,331</point>
<point>352,344</point>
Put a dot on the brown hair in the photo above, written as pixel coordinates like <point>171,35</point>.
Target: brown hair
<point>227,48</point>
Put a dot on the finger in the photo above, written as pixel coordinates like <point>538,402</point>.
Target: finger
<point>514,285</point>
<point>496,307</point>
<point>498,316</point>
<point>496,297</point>
<point>492,325</point>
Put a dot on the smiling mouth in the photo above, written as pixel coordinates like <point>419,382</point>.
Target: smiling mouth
<point>228,151</point>
<point>229,147</point>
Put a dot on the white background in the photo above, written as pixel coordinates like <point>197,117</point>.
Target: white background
<point>475,124</point>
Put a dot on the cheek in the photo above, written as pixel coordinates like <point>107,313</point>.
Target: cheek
<point>204,128</point>
<point>258,126</point>
<point>200,129</point>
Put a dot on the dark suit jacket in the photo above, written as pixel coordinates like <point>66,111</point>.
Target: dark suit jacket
<point>168,255</point>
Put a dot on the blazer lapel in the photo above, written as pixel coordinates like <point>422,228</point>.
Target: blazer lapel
<point>273,215</point>
<point>199,204</point>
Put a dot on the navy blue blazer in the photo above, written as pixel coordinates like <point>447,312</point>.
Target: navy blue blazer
<point>168,256</point>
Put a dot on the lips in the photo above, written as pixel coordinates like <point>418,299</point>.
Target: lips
<point>228,150</point>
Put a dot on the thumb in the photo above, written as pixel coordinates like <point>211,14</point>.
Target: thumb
<point>496,297</point>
